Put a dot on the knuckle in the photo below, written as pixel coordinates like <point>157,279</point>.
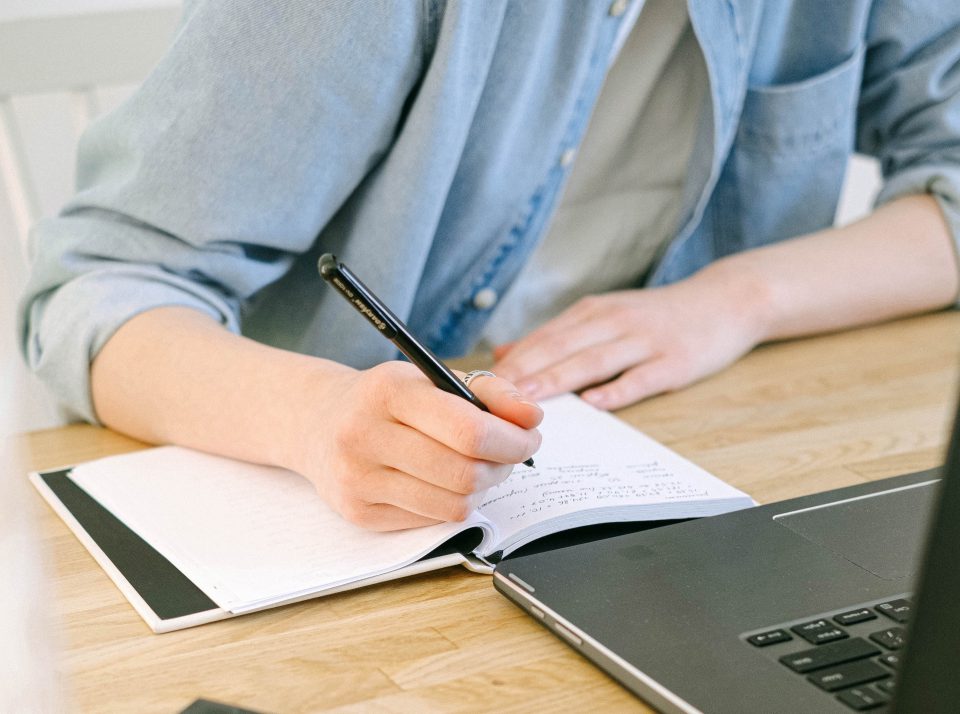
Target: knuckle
<point>559,345</point>
<point>459,509</point>
<point>387,370</point>
<point>354,511</point>
<point>471,436</point>
<point>536,440</point>
<point>381,382</point>
<point>615,392</point>
<point>600,361</point>
<point>640,385</point>
<point>347,488</point>
<point>551,379</point>
<point>469,477</point>
<point>344,436</point>
<point>674,380</point>
<point>499,474</point>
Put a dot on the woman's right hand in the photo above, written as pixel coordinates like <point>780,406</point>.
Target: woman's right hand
<point>389,450</point>
<point>384,446</point>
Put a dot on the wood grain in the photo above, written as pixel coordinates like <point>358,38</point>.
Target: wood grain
<point>789,419</point>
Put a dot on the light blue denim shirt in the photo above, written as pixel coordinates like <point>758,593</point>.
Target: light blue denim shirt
<point>422,143</point>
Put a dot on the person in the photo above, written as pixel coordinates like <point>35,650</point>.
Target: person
<point>620,199</point>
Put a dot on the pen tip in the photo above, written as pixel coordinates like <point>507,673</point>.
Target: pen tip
<point>528,462</point>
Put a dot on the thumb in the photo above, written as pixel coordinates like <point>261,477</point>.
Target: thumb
<point>504,400</point>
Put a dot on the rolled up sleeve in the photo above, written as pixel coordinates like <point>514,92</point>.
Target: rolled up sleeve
<point>909,112</point>
<point>204,187</point>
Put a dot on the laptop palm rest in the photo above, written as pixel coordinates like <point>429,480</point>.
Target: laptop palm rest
<point>883,533</point>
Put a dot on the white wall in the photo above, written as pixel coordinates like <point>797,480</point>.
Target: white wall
<point>19,9</point>
<point>23,405</point>
<point>46,123</point>
<point>49,136</point>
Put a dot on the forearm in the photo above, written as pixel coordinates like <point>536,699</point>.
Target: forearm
<point>174,375</point>
<point>898,261</point>
<point>383,446</point>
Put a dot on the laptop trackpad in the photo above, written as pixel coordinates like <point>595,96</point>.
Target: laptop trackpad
<point>882,533</point>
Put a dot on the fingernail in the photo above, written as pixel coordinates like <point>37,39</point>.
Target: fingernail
<point>597,399</point>
<point>477,499</point>
<point>523,400</point>
<point>530,387</point>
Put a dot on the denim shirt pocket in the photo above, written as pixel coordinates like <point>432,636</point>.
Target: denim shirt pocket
<point>785,169</point>
<point>804,116</point>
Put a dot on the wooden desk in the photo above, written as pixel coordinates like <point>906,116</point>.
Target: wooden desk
<point>789,419</point>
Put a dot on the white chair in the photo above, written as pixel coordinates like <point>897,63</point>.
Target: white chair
<point>76,56</point>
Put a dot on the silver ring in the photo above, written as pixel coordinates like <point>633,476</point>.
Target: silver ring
<point>470,376</point>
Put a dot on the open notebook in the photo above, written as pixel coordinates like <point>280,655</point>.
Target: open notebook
<point>236,537</point>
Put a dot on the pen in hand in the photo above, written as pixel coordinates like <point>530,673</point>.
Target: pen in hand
<point>391,327</point>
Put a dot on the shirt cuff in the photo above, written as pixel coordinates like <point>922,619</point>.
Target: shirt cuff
<point>940,181</point>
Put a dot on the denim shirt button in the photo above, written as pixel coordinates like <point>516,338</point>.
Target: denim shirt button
<point>566,158</point>
<point>618,7</point>
<point>485,299</point>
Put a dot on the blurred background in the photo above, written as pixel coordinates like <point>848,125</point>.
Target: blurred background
<point>62,62</point>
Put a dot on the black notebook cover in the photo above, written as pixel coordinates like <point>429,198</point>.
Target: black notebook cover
<point>163,588</point>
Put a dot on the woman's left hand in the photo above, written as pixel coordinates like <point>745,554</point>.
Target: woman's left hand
<point>624,346</point>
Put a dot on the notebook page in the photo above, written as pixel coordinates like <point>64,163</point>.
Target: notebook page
<point>246,535</point>
<point>589,459</point>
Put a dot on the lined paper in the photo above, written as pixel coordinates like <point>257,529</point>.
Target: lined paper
<point>592,461</point>
<point>247,535</point>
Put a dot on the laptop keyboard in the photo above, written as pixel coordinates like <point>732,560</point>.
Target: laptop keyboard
<point>852,654</point>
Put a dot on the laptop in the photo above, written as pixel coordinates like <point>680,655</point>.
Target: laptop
<point>847,600</point>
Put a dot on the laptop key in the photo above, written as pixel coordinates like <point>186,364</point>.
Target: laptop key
<point>848,675</point>
<point>830,655</point>
<point>772,637</point>
<point>897,610</point>
<point>892,638</point>
<point>819,632</point>
<point>854,616</point>
<point>886,686</point>
<point>862,699</point>
<point>892,660</point>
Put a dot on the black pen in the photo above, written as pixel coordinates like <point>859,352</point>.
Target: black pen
<point>392,327</point>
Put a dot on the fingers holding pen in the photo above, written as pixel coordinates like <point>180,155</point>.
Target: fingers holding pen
<point>504,400</point>
<point>392,420</point>
<point>412,452</point>
<point>402,477</point>
<point>505,435</point>
<point>383,499</point>
<point>381,517</point>
<point>396,452</point>
<point>389,450</point>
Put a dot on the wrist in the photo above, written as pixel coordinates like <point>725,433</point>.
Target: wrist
<point>303,401</point>
<point>743,286</point>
